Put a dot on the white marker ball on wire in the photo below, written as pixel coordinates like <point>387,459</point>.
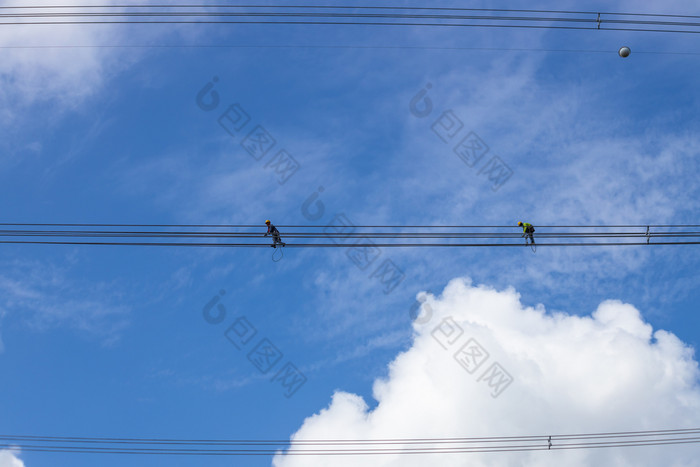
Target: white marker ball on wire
<point>624,52</point>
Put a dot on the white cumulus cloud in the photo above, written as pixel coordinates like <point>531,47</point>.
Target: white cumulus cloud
<point>8,459</point>
<point>483,364</point>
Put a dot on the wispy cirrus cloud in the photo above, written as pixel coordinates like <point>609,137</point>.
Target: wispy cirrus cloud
<point>44,296</point>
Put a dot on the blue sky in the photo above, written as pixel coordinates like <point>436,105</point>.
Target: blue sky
<point>111,341</point>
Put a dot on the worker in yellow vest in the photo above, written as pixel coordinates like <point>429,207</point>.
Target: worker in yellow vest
<point>528,230</point>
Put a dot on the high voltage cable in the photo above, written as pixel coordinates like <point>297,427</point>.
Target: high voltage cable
<point>338,15</point>
<point>312,235</point>
<point>396,16</point>
<point>353,47</point>
<point>345,447</point>
<point>559,436</point>
<point>79,224</point>
<point>337,245</point>
<point>343,7</point>
<point>306,236</point>
<point>349,452</point>
<point>334,7</point>
<point>340,23</point>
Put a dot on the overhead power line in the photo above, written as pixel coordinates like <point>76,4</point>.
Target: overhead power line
<point>311,226</point>
<point>346,15</point>
<point>343,235</point>
<point>332,47</point>
<point>347,447</point>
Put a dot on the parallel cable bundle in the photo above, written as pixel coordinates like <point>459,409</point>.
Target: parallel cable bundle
<point>346,15</point>
<point>343,235</point>
<point>347,447</point>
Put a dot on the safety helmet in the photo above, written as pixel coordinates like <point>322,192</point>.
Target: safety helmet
<point>520,223</point>
<point>267,221</point>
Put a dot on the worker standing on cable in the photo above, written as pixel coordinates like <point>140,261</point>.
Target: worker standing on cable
<point>272,230</point>
<point>528,230</point>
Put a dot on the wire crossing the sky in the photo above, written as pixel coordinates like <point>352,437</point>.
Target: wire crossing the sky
<point>347,447</point>
<point>346,15</point>
<point>340,233</point>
